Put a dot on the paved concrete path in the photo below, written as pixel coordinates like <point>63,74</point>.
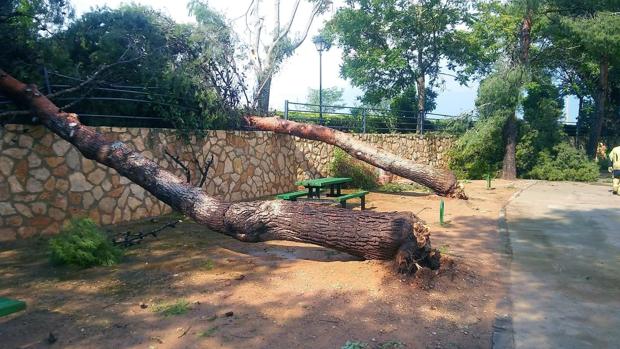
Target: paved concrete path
<point>565,270</point>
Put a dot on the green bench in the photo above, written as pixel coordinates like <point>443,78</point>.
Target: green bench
<point>292,196</point>
<point>360,194</point>
<point>9,306</point>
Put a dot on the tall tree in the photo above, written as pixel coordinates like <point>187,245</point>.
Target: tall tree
<point>599,35</point>
<point>503,37</point>
<point>271,40</point>
<point>584,37</point>
<point>332,96</point>
<point>390,46</point>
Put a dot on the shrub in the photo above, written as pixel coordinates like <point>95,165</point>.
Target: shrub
<point>83,244</point>
<point>564,163</point>
<point>479,150</point>
<point>343,165</point>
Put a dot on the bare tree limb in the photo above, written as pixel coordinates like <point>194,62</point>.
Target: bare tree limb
<point>203,172</point>
<point>92,78</point>
<point>315,12</point>
<point>188,174</point>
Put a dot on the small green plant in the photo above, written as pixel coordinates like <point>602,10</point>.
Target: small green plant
<point>391,345</point>
<point>354,345</point>
<point>343,165</point>
<point>208,333</point>
<point>208,265</point>
<point>178,307</point>
<point>82,243</point>
<point>444,249</point>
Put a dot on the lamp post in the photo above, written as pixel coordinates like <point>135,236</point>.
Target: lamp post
<point>321,45</point>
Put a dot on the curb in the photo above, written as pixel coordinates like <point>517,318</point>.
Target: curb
<point>502,336</point>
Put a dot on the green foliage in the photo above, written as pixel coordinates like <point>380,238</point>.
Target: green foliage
<point>82,243</point>
<point>343,165</point>
<point>456,126</point>
<point>208,265</point>
<point>542,110</point>
<point>355,345</point>
<point>24,26</point>
<point>564,163</point>
<point>187,71</point>
<point>388,44</point>
<point>179,307</point>
<point>480,150</point>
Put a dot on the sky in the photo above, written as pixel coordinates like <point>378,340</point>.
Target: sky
<point>301,71</point>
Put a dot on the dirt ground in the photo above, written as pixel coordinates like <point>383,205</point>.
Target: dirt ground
<point>267,295</point>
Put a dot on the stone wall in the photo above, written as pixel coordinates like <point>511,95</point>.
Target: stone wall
<point>313,157</point>
<point>44,181</point>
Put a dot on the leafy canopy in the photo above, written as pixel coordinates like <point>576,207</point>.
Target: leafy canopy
<point>388,44</point>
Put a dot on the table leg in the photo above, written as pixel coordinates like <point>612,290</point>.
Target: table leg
<point>331,190</point>
<point>338,187</point>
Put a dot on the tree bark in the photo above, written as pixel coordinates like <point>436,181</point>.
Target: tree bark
<point>421,82</point>
<point>372,235</point>
<point>509,168</point>
<point>442,181</point>
<point>601,98</point>
<point>262,99</point>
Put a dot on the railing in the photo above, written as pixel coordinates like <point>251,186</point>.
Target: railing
<point>365,119</point>
<point>122,98</point>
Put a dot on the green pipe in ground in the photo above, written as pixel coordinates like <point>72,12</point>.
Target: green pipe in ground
<point>441,210</point>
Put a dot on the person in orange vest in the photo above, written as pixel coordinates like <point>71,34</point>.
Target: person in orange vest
<point>614,157</point>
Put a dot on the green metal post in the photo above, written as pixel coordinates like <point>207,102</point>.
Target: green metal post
<point>441,209</point>
<point>488,181</point>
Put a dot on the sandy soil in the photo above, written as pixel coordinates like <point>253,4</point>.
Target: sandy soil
<point>267,295</point>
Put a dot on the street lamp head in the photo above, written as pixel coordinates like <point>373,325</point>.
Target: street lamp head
<point>320,43</point>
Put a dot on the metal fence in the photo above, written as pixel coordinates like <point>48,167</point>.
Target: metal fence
<point>86,102</point>
<point>346,118</point>
<point>368,120</point>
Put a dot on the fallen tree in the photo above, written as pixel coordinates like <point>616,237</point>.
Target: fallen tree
<point>371,235</point>
<point>442,181</point>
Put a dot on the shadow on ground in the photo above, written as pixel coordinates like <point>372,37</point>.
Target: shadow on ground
<point>566,286</point>
<point>281,295</point>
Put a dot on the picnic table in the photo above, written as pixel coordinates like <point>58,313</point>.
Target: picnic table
<point>315,186</point>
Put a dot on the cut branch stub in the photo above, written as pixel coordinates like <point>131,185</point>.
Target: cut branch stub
<point>441,181</point>
<point>367,234</point>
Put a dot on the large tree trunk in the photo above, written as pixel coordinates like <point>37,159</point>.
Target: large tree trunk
<point>262,102</point>
<point>509,168</point>
<point>601,98</point>
<point>442,181</point>
<point>509,164</point>
<point>367,234</point>
<point>421,82</point>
